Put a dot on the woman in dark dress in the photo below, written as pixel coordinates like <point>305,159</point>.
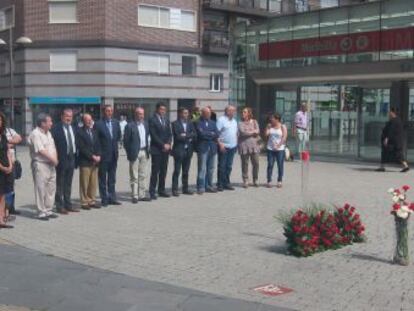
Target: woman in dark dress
<point>6,171</point>
<point>392,143</point>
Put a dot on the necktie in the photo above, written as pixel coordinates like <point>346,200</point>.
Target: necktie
<point>90,134</point>
<point>109,126</point>
<point>69,141</point>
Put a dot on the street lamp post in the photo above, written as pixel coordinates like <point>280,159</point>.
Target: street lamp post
<point>20,41</point>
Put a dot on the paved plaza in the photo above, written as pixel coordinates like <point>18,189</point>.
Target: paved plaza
<point>227,244</point>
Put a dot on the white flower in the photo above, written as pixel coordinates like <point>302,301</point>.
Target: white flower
<point>402,214</point>
<point>405,209</point>
<point>395,199</point>
<point>391,190</point>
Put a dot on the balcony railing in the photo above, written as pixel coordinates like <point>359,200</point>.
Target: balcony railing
<point>247,7</point>
<point>216,42</point>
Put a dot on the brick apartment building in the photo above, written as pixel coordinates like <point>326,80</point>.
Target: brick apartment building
<point>87,53</point>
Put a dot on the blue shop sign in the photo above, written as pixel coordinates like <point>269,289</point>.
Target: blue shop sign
<point>65,100</point>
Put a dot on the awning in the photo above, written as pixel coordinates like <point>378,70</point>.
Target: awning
<point>65,100</point>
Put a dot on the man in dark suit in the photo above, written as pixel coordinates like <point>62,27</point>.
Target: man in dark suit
<point>109,135</point>
<point>89,156</point>
<point>207,146</point>
<point>136,144</point>
<point>64,136</point>
<point>184,135</point>
<point>160,130</point>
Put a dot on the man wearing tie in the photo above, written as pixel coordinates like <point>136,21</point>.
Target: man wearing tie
<point>89,156</point>
<point>184,135</point>
<point>136,144</point>
<point>64,135</point>
<point>159,127</point>
<point>109,135</point>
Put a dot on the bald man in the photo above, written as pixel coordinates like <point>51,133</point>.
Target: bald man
<point>89,156</point>
<point>137,146</point>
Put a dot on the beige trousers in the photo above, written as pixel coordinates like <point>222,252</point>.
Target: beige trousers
<point>254,158</point>
<point>88,184</point>
<point>44,177</point>
<point>138,172</point>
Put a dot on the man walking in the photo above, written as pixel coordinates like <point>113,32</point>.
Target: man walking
<point>89,157</point>
<point>227,127</point>
<point>184,134</point>
<point>109,135</point>
<point>301,128</point>
<point>207,150</point>
<point>64,135</point>
<point>160,130</point>
<point>136,144</point>
<point>44,160</point>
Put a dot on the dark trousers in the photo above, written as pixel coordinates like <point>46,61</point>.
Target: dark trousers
<point>225,166</point>
<point>181,162</point>
<point>159,166</point>
<point>64,177</point>
<point>107,180</point>
<point>279,157</point>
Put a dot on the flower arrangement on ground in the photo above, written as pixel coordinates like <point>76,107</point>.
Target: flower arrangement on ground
<point>318,228</point>
<point>401,210</point>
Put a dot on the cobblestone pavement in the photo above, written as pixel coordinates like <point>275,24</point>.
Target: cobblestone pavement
<point>228,243</point>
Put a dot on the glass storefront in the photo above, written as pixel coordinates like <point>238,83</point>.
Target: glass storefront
<point>347,116</point>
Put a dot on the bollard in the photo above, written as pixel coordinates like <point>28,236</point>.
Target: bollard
<point>305,157</point>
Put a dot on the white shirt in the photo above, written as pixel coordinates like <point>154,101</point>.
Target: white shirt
<point>72,136</point>
<point>123,124</point>
<point>10,134</point>
<point>228,131</point>
<point>275,138</point>
<point>142,134</point>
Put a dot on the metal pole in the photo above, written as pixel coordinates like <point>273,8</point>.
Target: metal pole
<point>11,61</point>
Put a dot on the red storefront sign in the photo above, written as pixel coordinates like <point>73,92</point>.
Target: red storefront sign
<point>361,42</point>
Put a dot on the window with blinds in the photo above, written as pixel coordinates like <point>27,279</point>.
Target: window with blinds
<point>63,61</point>
<point>169,18</point>
<point>62,11</point>
<point>153,63</point>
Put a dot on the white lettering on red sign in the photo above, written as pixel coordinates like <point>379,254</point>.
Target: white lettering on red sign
<point>272,290</point>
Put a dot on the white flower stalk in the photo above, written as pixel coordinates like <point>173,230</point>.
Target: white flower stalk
<point>396,199</point>
<point>402,214</point>
<point>391,191</point>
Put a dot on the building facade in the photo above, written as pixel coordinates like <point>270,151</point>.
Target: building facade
<point>125,53</point>
<point>349,63</point>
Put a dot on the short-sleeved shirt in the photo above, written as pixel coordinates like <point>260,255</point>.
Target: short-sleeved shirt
<point>301,120</point>
<point>275,138</point>
<point>38,141</point>
<point>228,131</point>
<point>10,134</point>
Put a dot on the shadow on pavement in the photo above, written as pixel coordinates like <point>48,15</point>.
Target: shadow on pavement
<point>368,257</point>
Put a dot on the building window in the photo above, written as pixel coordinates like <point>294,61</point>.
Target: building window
<point>169,18</point>
<point>6,18</point>
<point>189,64</point>
<point>63,61</point>
<point>62,11</point>
<point>216,82</point>
<point>154,63</point>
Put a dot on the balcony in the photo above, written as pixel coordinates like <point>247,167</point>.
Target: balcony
<point>216,42</point>
<point>258,8</point>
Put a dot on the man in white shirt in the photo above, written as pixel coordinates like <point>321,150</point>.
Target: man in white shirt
<point>136,143</point>
<point>227,126</point>
<point>65,140</point>
<point>44,161</point>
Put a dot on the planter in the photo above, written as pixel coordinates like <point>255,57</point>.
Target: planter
<point>401,255</point>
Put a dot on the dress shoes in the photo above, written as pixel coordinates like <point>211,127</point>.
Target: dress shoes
<point>200,192</point>
<point>86,207</point>
<point>134,201</point>
<point>62,211</point>
<point>231,188</point>
<point>219,189</point>
<point>73,210</point>
<point>163,195</point>
<point>153,197</point>
<point>145,199</point>
<point>175,194</point>
<point>114,202</point>
<point>188,192</point>
<point>211,190</point>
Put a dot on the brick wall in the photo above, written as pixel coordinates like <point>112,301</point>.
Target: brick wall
<point>109,20</point>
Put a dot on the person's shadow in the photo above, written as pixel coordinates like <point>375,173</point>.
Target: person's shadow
<point>368,257</point>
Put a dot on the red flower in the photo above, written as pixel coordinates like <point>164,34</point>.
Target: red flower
<point>411,207</point>
<point>406,188</point>
<point>396,207</point>
<point>347,206</point>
